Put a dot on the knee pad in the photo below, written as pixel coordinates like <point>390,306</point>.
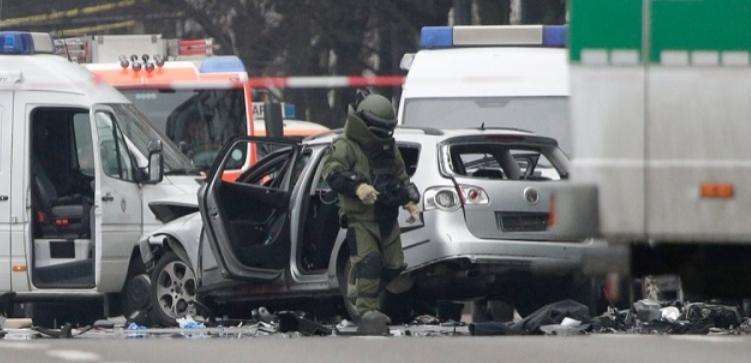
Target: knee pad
<point>370,266</point>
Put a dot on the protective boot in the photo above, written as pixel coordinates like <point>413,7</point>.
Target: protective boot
<point>373,322</point>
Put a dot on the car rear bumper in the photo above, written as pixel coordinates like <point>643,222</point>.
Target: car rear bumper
<point>450,240</point>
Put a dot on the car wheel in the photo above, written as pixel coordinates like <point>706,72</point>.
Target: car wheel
<point>173,285</point>
<point>347,289</point>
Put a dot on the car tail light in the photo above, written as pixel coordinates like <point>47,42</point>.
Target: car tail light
<point>443,198</point>
<point>472,195</point>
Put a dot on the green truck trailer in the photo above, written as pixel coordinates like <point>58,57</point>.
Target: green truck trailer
<point>661,119</point>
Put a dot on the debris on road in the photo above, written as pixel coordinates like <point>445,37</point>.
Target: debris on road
<point>290,321</point>
<point>550,315</point>
<point>188,322</point>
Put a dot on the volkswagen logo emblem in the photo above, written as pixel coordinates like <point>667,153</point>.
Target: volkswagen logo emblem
<point>531,195</point>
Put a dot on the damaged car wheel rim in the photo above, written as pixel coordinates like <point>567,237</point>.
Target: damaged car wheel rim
<point>176,289</point>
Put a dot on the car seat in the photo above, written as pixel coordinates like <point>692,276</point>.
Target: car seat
<point>66,215</point>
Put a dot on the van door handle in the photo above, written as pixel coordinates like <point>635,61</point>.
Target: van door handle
<point>3,198</point>
<point>108,197</point>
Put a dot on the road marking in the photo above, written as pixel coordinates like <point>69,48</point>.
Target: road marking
<point>73,355</point>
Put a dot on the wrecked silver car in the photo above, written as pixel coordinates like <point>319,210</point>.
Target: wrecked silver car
<point>274,233</point>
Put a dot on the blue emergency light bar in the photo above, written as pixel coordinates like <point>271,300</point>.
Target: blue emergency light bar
<point>496,35</point>
<point>24,43</point>
<point>222,64</point>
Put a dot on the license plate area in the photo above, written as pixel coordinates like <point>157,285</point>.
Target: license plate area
<point>522,221</point>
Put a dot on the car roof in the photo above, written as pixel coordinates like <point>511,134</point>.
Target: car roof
<point>52,73</point>
<point>426,134</point>
<point>488,72</point>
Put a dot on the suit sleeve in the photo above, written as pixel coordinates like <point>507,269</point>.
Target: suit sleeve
<point>338,169</point>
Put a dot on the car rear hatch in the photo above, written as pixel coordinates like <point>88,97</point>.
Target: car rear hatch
<point>504,182</point>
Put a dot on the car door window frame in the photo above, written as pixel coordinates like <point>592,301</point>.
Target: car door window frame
<point>120,146</point>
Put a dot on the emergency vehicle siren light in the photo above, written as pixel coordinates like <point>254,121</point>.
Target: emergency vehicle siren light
<point>496,35</point>
<point>149,63</point>
<point>15,42</point>
<point>222,64</point>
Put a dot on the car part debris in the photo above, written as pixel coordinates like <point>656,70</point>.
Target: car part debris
<point>65,331</point>
<point>426,320</point>
<point>104,324</point>
<point>262,314</point>
<point>290,321</point>
<point>373,322</point>
<point>567,327</point>
<point>551,314</point>
<point>718,316</point>
<point>648,310</point>
<point>670,313</point>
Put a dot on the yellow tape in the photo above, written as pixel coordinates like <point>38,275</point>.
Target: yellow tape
<point>70,13</point>
<point>95,28</point>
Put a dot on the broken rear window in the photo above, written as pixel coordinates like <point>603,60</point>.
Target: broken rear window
<point>502,161</point>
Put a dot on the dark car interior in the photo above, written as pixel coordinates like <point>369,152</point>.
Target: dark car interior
<point>498,161</point>
<point>62,175</point>
<point>256,211</point>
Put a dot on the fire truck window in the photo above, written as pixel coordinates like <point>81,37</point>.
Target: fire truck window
<point>199,121</point>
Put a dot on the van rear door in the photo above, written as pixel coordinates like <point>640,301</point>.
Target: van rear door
<point>6,117</point>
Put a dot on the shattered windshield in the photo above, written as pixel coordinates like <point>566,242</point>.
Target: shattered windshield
<point>139,133</point>
<point>198,121</point>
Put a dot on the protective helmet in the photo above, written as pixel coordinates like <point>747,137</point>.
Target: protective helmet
<point>378,114</point>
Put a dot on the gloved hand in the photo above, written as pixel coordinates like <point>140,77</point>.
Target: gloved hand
<point>367,194</point>
<point>414,212</point>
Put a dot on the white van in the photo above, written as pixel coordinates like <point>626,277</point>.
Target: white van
<point>496,76</point>
<point>83,175</point>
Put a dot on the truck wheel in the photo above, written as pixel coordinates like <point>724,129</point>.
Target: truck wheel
<point>347,290</point>
<point>173,286</point>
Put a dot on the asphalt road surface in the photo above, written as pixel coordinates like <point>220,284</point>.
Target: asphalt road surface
<point>596,348</point>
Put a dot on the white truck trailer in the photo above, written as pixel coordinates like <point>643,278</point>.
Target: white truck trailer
<point>660,118</point>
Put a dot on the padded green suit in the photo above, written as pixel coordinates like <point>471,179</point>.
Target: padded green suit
<point>375,247</point>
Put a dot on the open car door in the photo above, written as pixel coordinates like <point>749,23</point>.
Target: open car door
<point>247,220</point>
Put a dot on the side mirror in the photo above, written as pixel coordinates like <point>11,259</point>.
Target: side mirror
<point>156,163</point>
<point>155,146</point>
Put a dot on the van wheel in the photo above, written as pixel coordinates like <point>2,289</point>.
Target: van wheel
<point>173,290</point>
<point>346,289</point>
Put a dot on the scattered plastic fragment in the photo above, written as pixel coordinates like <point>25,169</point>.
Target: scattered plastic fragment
<point>134,326</point>
<point>188,322</point>
<point>670,313</point>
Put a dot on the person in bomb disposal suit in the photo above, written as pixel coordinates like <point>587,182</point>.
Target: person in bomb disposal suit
<point>367,171</point>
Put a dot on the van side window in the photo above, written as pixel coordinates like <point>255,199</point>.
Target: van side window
<point>116,161</point>
<point>84,152</point>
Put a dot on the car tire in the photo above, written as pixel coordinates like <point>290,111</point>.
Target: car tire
<point>345,289</point>
<point>135,298</point>
<point>173,289</point>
